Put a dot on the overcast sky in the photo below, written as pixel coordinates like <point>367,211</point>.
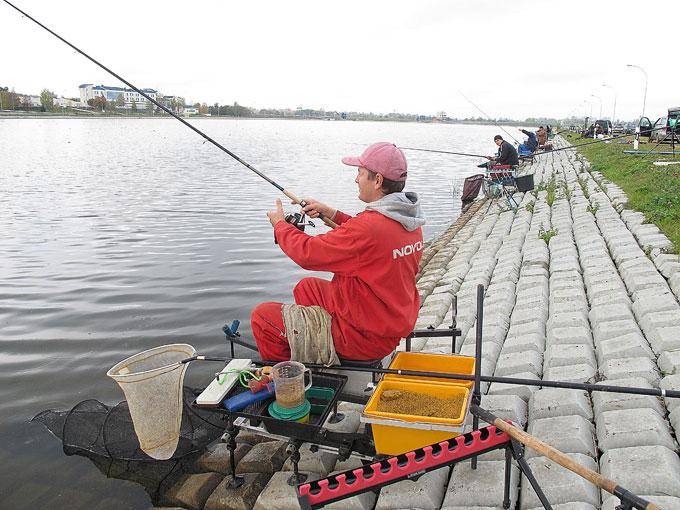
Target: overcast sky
<point>520,58</point>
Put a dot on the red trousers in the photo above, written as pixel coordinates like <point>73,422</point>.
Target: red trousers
<point>266,320</point>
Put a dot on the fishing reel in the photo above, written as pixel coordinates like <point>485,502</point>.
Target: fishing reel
<point>298,221</point>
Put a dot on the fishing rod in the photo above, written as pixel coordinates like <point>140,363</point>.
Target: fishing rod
<point>605,388</point>
<point>628,499</point>
<point>487,116</point>
<point>445,152</point>
<point>289,194</point>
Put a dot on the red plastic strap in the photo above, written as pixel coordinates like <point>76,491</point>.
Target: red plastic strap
<point>500,167</point>
<point>390,469</point>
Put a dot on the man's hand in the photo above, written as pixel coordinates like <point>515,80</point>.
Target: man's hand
<point>277,215</point>
<point>313,208</point>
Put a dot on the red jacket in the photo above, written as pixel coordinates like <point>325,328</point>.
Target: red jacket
<point>373,297</point>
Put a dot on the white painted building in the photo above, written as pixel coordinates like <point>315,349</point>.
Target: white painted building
<point>190,110</point>
<point>65,102</point>
<point>89,91</point>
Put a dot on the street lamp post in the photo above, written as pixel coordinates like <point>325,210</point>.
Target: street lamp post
<point>614,109</point>
<point>644,99</point>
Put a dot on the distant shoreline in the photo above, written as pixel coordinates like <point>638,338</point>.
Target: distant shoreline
<point>24,115</point>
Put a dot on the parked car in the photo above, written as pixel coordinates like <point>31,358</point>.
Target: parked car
<point>600,127</point>
<point>664,127</point>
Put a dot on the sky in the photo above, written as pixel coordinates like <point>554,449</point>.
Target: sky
<point>514,59</point>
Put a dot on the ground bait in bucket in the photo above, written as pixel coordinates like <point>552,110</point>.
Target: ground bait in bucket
<point>419,404</point>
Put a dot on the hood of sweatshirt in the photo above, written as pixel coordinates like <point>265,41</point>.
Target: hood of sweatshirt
<point>402,207</point>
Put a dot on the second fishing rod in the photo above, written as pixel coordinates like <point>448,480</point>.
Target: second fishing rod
<point>289,194</point>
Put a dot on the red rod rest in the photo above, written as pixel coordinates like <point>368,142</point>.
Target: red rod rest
<point>389,470</point>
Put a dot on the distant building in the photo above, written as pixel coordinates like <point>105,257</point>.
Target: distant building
<point>190,110</point>
<point>89,91</point>
<point>65,102</point>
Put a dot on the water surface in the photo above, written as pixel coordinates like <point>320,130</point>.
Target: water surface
<point>121,235</point>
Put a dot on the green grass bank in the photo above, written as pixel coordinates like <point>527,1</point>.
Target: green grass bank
<point>652,190</point>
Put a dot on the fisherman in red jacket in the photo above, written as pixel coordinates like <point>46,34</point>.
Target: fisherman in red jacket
<point>372,299</point>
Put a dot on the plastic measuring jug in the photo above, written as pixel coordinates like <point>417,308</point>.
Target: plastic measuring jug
<point>289,383</point>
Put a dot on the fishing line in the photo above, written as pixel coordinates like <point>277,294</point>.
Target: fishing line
<point>289,194</point>
<point>487,116</point>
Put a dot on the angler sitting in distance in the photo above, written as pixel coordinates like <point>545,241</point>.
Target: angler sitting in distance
<point>530,144</point>
<point>372,300</point>
<point>506,155</point>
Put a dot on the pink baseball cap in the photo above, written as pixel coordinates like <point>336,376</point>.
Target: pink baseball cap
<point>383,158</point>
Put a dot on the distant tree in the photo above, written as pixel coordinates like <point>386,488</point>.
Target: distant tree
<point>47,99</point>
<point>98,103</point>
<point>203,109</point>
<point>26,103</point>
<point>173,105</point>
<point>120,101</point>
<point>133,106</point>
<point>150,107</point>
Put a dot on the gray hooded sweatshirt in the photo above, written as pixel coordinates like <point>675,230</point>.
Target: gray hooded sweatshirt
<point>402,207</point>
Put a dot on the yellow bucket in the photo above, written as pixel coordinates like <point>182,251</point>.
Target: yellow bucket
<point>394,434</point>
<point>446,363</point>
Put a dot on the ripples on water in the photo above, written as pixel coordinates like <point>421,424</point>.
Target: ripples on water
<point>120,235</point>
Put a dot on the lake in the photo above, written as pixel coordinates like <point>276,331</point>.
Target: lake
<point>123,234</point>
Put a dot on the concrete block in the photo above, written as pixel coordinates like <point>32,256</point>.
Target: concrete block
<point>674,418</point>
<point>643,469</point>
<point>637,282</point>
<point>553,402</point>
<point>482,487</point>
<point>426,493</point>
<point>522,316</point>
<point>606,401</point>
<point>523,392</point>
<point>530,328</point>
<point>632,427</point>
<point>579,373</point>
<point>510,407</point>
<point>567,320</point>
<point>320,462</point>
<point>572,335</point>
<point>613,329</point>
<point>610,313</point>
<point>664,319</point>
<point>279,494</point>
<point>664,302</point>
<point>569,434</point>
<point>241,498</point>
<point>517,362</point>
<point>669,362</point>
<point>345,421</point>
<point>559,484</point>
<point>619,297</point>
<point>664,338</point>
<point>671,382</point>
<point>216,458</point>
<point>632,345</point>
<point>192,491</point>
<point>631,367</point>
<point>533,342</point>
<point>263,458</point>
<point>559,355</point>
<point>665,502</point>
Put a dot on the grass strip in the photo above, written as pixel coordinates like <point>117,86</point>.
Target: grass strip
<point>652,190</point>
